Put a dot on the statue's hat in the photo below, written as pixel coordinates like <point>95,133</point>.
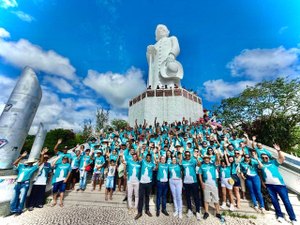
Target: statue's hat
<point>171,69</point>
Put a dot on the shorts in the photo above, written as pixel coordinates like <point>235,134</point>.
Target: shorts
<point>225,183</point>
<point>59,187</point>
<point>237,181</point>
<point>110,182</point>
<point>98,176</point>
<point>75,174</point>
<point>211,193</point>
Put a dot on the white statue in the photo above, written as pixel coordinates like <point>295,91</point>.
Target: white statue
<point>163,67</point>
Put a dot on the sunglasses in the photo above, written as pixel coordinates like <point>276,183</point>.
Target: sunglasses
<point>264,157</point>
<point>187,155</point>
<point>247,157</point>
<point>237,153</point>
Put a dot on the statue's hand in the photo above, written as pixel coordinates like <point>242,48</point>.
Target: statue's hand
<point>151,50</point>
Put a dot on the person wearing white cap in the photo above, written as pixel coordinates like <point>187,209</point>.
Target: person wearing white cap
<point>25,172</point>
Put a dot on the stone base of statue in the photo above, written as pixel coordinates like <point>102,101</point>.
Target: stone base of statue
<point>165,104</point>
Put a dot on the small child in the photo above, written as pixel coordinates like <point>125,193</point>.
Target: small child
<point>110,179</point>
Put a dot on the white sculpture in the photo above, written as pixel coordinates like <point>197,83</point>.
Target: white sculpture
<point>161,57</point>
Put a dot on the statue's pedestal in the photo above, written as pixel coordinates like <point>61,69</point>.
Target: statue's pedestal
<point>165,104</point>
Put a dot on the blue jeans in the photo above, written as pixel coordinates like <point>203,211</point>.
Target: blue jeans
<point>281,190</point>
<point>254,186</point>
<point>19,197</point>
<point>82,180</point>
<point>162,190</point>
<point>192,190</point>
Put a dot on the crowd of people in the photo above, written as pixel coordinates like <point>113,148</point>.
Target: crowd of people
<point>198,161</point>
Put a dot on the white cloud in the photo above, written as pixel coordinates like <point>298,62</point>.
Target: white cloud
<point>4,33</point>
<point>56,112</point>
<point>258,64</point>
<point>60,83</point>
<point>23,53</point>
<point>116,88</point>
<point>8,4</point>
<point>23,16</point>
<point>218,89</point>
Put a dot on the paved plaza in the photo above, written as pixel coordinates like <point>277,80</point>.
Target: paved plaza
<point>83,215</point>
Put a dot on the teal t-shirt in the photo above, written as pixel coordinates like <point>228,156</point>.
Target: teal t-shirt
<point>113,157</point>
<point>61,155</point>
<point>189,171</point>
<point>271,173</point>
<point>133,171</point>
<point>61,172</point>
<point>225,172</point>
<point>147,171</point>
<point>75,162</point>
<point>262,151</point>
<point>25,172</point>
<point>85,159</point>
<point>98,162</point>
<point>208,172</point>
<point>174,171</point>
<point>249,169</point>
<point>162,172</point>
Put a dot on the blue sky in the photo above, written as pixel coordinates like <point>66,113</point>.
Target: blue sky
<point>92,53</point>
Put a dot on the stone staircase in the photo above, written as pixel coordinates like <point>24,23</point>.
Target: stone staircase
<point>97,198</point>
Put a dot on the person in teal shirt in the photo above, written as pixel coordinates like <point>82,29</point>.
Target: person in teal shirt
<point>133,171</point>
<point>145,186</point>
<point>59,179</point>
<point>208,180</point>
<point>62,153</point>
<point>162,186</point>
<point>190,183</point>
<point>275,184</point>
<point>226,182</point>
<point>175,181</point>
<point>98,171</point>
<point>85,164</point>
<point>25,172</point>
<point>249,173</point>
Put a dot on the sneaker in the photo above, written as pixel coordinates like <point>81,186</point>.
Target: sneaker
<point>231,208</point>
<point>256,209</point>
<point>198,216</point>
<point>78,189</point>
<point>189,213</point>
<point>30,208</point>
<point>294,222</point>
<point>223,206</point>
<point>280,220</point>
<point>157,213</point>
<point>205,216</point>
<point>180,215</point>
<point>263,211</point>
<point>175,214</point>
<point>125,199</point>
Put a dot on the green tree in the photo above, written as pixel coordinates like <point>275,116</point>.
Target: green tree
<point>69,139</point>
<point>28,143</point>
<point>270,110</point>
<point>87,129</point>
<point>119,124</point>
<point>102,117</point>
